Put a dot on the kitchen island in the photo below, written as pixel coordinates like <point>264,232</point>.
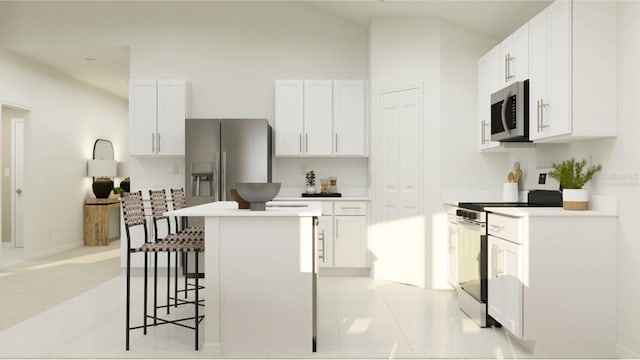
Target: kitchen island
<point>259,278</point>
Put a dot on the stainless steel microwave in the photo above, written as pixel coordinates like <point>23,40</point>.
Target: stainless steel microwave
<point>510,113</point>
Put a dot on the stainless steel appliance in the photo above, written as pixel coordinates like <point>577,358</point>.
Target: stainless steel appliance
<point>221,152</point>
<point>510,113</point>
<point>473,251</point>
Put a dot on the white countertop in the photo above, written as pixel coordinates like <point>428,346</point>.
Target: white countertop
<point>230,208</point>
<point>546,211</point>
<point>342,198</point>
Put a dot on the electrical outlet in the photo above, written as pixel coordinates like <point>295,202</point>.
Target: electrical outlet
<point>7,172</point>
<point>176,169</point>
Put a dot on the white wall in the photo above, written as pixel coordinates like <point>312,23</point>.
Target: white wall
<point>65,119</point>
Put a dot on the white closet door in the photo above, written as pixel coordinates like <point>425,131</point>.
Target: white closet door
<point>399,253</point>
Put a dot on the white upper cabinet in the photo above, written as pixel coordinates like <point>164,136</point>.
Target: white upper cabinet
<point>321,118</point>
<point>289,124</point>
<point>350,117</point>
<point>318,105</point>
<point>573,71</point>
<point>488,83</point>
<point>157,111</point>
<point>514,57</point>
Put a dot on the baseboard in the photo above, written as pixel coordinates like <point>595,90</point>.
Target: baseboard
<point>623,352</point>
<point>212,349</point>
<point>366,272</point>
<point>57,250</point>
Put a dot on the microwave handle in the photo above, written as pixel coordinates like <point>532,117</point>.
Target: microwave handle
<point>503,112</point>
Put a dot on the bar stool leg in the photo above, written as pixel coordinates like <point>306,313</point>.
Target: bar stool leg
<point>144,321</point>
<point>128,298</point>
<point>186,274</point>
<point>197,302</point>
<point>155,288</point>
<point>168,281</point>
<point>175,285</point>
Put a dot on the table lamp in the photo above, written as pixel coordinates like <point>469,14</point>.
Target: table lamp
<point>102,171</point>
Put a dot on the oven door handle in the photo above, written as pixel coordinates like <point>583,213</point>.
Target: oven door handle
<point>474,226</point>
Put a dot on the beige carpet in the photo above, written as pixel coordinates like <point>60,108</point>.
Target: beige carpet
<point>31,287</point>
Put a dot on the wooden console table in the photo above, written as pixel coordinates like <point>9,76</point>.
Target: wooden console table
<point>96,220</point>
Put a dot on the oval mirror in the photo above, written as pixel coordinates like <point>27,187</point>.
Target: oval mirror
<point>103,150</point>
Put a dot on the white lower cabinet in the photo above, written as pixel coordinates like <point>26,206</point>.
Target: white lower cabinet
<point>342,235</point>
<point>552,280</point>
<point>505,284</point>
<point>350,241</point>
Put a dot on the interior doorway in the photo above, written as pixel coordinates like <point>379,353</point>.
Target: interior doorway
<point>12,183</point>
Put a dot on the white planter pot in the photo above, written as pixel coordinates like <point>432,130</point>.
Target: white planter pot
<point>575,199</point>
<point>311,189</point>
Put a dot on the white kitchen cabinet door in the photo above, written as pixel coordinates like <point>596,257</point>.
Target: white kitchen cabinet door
<point>350,241</point>
<point>172,112</point>
<point>555,113</point>
<point>488,83</point>
<point>573,71</point>
<point>512,288</point>
<point>514,57</point>
<point>157,113</point>
<point>325,241</point>
<point>350,117</point>
<point>143,112</point>
<point>494,281</point>
<point>505,288</point>
<point>289,117</point>
<point>318,115</point>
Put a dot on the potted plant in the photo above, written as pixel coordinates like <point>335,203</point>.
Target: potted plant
<point>572,176</point>
<point>310,180</point>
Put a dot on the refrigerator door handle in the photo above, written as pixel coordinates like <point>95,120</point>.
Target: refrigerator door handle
<point>216,176</point>
<point>224,176</point>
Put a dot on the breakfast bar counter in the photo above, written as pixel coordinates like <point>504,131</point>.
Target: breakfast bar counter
<point>260,276</point>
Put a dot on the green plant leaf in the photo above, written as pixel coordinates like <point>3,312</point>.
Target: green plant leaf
<point>571,173</point>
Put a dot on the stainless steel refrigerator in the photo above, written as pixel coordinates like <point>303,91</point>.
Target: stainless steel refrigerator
<point>220,153</point>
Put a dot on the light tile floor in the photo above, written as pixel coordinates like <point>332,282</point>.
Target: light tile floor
<point>358,318</point>
<point>11,256</point>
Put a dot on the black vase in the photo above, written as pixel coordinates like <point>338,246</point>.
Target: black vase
<point>102,187</point>
<point>126,185</point>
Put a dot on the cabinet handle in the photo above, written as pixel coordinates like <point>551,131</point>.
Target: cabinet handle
<point>336,142</point>
<point>337,234</point>
<point>350,207</point>
<point>153,142</point>
<point>321,251</point>
<point>506,68</point>
<point>542,125</point>
<point>306,142</point>
<point>300,142</point>
<point>496,227</point>
<point>538,115</point>
<point>494,257</point>
<point>499,268</point>
<point>159,142</point>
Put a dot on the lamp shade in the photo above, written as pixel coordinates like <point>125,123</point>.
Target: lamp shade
<point>102,168</point>
<point>123,169</point>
